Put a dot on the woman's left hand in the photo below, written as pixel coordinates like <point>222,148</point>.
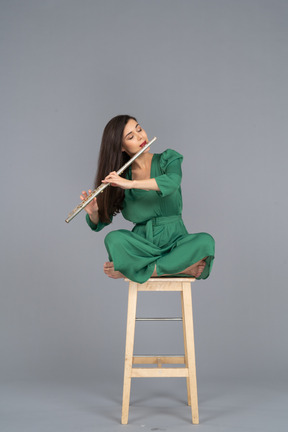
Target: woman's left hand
<point>115,180</point>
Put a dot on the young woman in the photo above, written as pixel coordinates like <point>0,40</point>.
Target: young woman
<point>149,195</point>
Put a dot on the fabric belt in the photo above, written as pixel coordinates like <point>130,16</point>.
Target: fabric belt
<point>157,221</point>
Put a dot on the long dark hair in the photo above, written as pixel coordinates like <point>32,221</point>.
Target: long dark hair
<point>111,158</point>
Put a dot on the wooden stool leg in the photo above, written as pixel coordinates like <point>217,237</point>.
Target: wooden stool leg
<point>185,351</point>
<point>130,332</point>
<point>190,345</point>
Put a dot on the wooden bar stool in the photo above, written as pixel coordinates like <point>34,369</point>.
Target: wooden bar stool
<point>188,360</point>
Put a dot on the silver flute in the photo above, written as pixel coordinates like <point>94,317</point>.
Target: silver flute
<point>101,188</point>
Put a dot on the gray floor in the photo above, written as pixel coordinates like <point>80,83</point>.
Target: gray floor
<point>155,406</point>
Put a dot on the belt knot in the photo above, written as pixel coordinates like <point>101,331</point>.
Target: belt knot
<point>157,221</point>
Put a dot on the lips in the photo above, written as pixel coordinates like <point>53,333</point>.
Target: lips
<point>142,145</point>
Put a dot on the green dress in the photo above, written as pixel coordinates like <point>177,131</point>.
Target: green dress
<point>159,236</point>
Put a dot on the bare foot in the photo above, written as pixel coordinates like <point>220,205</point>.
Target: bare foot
<point>110,272</point>
<point>196,269</point>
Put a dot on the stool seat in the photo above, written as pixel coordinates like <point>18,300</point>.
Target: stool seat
<point>183,285</point>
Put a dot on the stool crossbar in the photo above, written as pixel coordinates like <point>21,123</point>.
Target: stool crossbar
<point>188,370</point>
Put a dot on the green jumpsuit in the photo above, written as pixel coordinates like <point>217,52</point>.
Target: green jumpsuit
<point>159,236</point>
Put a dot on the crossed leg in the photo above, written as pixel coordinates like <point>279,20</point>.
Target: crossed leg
<point>194,270</point>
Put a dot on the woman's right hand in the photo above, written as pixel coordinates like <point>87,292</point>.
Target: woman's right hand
<point>91,208</point>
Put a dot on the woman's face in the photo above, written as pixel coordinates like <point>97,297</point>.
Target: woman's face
<point>134,138</point>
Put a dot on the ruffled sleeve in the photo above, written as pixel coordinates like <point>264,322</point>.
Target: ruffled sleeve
<point>170,179</point>
<point>97,227</point>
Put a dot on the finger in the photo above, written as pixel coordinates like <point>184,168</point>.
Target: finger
<point>112,174</point>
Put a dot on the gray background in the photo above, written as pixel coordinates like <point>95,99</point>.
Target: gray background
<point>209,79</point>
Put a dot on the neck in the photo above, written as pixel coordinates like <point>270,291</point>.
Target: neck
<point>142,161</point>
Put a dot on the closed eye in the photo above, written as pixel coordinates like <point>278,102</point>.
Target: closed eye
<point>138,129</point>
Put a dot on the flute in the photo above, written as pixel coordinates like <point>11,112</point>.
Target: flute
<point>101,188</point>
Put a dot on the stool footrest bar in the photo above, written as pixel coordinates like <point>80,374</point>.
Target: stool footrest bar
<point>167,359</point>
<point>159,372</point>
